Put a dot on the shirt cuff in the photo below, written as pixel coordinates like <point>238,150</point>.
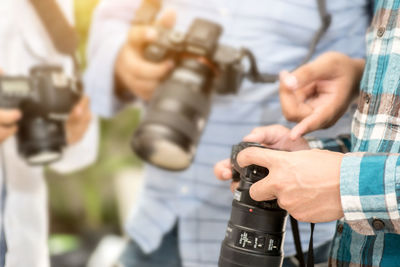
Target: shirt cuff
<point>368,192</point>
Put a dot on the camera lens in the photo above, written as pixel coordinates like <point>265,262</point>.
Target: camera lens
<point>255,232</point>
<point>171,128</point>
<point>40,141</point>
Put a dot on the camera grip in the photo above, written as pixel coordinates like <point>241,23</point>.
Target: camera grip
<point>254,172</point>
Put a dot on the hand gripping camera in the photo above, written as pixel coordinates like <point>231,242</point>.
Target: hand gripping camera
<point>255,232</point>
<point>177,113</point>
<point>45,98</point>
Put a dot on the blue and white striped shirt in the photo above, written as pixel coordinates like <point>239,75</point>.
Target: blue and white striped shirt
<point>279,33</point>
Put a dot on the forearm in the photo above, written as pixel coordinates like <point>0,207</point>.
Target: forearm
<point>370,192</point>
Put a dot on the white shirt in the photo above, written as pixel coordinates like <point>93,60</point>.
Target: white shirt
<point>23,43</point>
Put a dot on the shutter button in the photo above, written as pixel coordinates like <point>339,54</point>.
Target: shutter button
<point>378,224</point>
<point>381,31</point>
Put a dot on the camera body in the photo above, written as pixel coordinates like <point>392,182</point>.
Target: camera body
<point>45,98</point>
<point>201,42</point>
<point>255,232</point>
<point>176,116</point>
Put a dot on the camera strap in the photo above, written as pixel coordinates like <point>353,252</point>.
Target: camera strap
<point>256,76</point>
<point>297,242</point>
<point>61,32</point>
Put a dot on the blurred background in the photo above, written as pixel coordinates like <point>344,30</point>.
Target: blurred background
<point>84,207</point>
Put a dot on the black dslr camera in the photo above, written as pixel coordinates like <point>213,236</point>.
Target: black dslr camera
<point>46,97</point>
<point>255,232</point>
<point>177,114</point>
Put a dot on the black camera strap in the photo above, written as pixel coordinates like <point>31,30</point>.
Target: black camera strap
<point>62,34</point>
<point>297,242</point>
<point>256,76</point>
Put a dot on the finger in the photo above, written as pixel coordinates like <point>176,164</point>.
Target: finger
<point>234,186</point>
<point>144,89</point>
<point>267,135</point>
<point>262,190</point>
<point>306,92</point>
<point>140,35</point>
<point>143,69</point>
<point>306,74</point>
<point>223,170</point>
<point>315,121</point>
<point>167,19</point>
<point>288,80</point>
<point>81,107</point>
<point>135,65</point>
<point>5,132</point>
<point>292,103</point>
<point>9,117</point>
<point>259,156</point>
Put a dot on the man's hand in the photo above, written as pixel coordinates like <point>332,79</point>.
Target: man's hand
<point>274,136</point>
<point>132,71</point>
<point>317,94</point>
<point>78,121</point>
<point>306,183</point>
<point>8,123</point>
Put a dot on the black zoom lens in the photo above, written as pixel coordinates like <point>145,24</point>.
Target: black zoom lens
<point>255,232</point>
<point>176,117</point>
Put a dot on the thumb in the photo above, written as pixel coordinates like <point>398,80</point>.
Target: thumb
<point>267,135</point>
<point>259,156</point>
<point>167,19</point>
<point>262,190</point>
<point>140,35</point>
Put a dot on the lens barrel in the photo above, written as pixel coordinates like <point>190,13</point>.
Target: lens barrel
<point>171,128</point>
<point>255,231</point>
<point>41,141</point>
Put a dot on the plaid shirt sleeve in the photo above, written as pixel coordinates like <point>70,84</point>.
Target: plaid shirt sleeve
<point>340,144</point>
<point>370,192</point>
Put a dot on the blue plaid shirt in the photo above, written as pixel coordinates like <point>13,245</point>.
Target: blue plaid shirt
<point>370,175</point>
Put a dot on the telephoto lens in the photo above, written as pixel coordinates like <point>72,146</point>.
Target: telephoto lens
<point>255,231</point>
<point>177,114</point>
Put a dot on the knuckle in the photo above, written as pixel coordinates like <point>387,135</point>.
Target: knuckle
<point>291,115</point>
<point>256,130</point>
<point>282,203</point>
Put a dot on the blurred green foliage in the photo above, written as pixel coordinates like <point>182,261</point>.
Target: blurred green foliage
<point>83,16</point>
<point>86,200</point>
